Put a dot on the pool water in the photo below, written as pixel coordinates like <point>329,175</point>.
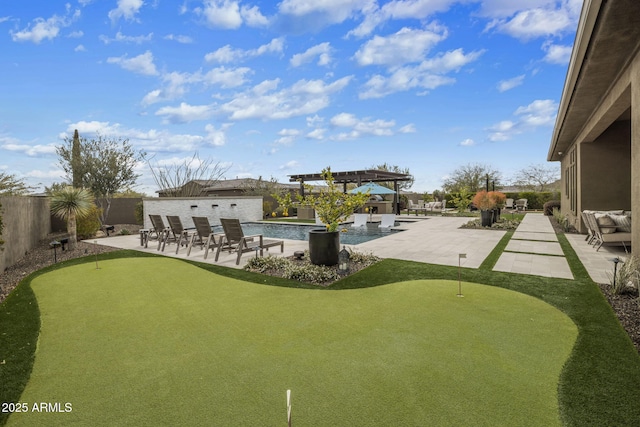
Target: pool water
<point>353,236</point>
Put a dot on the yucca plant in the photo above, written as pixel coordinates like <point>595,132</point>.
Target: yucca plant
<point>70,204</point>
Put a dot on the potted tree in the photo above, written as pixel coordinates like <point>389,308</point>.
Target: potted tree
<point>486,204</point>
<point>499,199</point>
<point>332,207</point>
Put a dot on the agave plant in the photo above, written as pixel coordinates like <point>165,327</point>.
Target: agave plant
<point>70,204</point>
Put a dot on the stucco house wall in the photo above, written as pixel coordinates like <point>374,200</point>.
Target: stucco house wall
<point>244,208</point>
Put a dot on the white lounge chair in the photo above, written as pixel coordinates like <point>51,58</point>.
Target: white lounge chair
<point>388,221</point>
<point>359,220</point>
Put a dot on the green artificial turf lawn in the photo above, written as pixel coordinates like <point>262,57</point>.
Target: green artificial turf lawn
<point>150,341</point>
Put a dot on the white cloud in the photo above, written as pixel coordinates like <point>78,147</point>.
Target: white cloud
<point>407,45</point>
<point>316,134</point>
<point>360,127</point>
<point>557,54</point>
<point>41,29</point>
<point>541,112</point>
<point>126,9</point>
<point>30,150</point>
<point>536,18</point>
<point>293,164</point>
<point>429,74</point>
<point>305,15</point>
<point>303,97</point>
<point>179,38</point>
<point>505,85</point>
<point>185,113</point>
<point>410,128</point>
<point>80,48</point>
<point>121,38</point>
<point>141,64</point>
<point>176,85</point>
<point>467,142</point>
<point>228,14</point>
<point>287,136</point>
<point>227,54</point>
<point>216,137</point>
<point>322,51</point>
<point>398,9</point>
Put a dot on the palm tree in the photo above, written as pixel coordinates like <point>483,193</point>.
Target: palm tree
<point>71,203</point>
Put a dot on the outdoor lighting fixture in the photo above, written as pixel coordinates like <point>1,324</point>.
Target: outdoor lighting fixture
<point>214,206</point>
<point>233,205</point>
<point>194,206</point>
<point>615,260</point>
<point>54,245</point>
<point>343,261</point>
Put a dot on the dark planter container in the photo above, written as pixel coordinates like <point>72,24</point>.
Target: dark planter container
<point>487,218</point>
<point>496,215</point>
<point>324,247</point>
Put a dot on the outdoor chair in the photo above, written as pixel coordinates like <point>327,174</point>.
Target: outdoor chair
<point>509,204</point>
<point>204,236</point>
<point>359,220</point>
<point>158,228</point>
<point>606,231</point>
<point>175,232</point>
<point>234,240</point>
<point>521,204</point>
<point>416,207</point>
<point>388,221</point>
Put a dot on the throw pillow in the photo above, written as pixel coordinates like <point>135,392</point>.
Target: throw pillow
<point>623,222</point>
<point>606,224</point>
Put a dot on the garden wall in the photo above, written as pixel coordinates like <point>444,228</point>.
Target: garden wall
<point>244,208</point>
<point>26,222</point>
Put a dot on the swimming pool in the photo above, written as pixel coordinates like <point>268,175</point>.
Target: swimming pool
<point>353,236</point>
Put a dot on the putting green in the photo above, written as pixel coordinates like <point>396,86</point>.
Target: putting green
<point>156,341</point>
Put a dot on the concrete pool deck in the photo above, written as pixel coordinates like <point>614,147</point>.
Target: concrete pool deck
<point>533,248</point>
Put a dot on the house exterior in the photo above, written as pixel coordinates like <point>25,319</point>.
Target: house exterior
<point>597,132</point>
<point>225,188</point>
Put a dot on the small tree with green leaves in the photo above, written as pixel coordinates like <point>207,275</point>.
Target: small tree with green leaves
<point>70,204</point>
<point>331,204</point>
<point>462,199</point>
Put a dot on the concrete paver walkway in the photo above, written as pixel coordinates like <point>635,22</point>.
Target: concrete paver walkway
<point>534,249</point>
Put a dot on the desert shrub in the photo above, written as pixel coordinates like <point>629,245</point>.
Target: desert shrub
<point>627,276</point>
<point>125,232</point>
<point>561,219</point>
<point>501,224</point>
<point>267,208</point>
<point>88,225</point>
<point>138,212</point>
<point>548,207</point>
<point>1,228</point>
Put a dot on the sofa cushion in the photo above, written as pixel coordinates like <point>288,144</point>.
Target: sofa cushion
<point>623,222</point>
<point>606,223</point>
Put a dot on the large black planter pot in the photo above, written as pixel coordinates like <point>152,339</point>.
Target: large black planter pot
<point>486,217</point>
<point>324,247</point>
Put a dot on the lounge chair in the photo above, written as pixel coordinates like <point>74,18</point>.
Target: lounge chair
<point>234,240</point>
<point>204,236</point>
<point>388,221</point>
<point>175,232</point>
<point>158,228</point>
<point>359,220</point>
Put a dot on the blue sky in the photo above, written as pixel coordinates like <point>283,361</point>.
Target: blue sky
<point>278,88</point>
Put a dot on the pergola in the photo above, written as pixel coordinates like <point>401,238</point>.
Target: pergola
<point>357,177</point>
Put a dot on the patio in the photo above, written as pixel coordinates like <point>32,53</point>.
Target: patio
<point>439,240</point>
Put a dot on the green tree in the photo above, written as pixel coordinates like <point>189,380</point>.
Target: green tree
<point>70,204</point>
<point>106,166</point>
<point>331,204</point>
<point>402,185</point>
<point>473,177</point>
<point>10,185</point>
<point>538,178</point>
